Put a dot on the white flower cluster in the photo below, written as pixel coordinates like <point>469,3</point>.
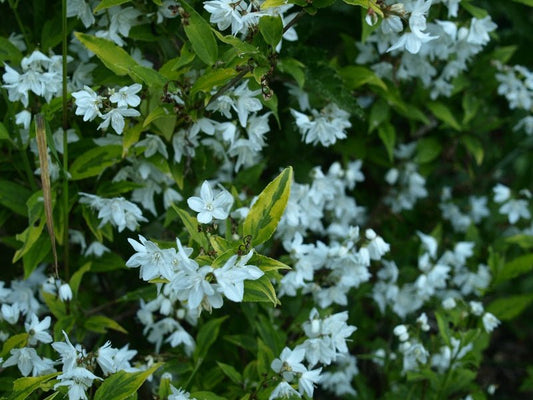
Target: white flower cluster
<point>149,177</point>
<point>77,366</point>
<point>90,105</point>
<point>443,41</point>
<point>407,184</point>
<point>477,210</point>
<point>516,84</point>
<point>224,138</point>
<point>325,344</point>
<point>445,277</point>
<point>190,285</point>
<point>515,209</point>
<point>325,126</point>
<point>41,75</point>
<point>118,211</point>
<point>242,16</point>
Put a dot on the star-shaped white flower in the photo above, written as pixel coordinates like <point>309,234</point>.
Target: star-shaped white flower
<point>209,205</point>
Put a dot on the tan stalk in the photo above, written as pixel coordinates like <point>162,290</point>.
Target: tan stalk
<point>45,181</point>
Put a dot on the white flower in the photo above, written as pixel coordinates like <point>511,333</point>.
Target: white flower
<point>225,13</point>
<point>401,332</point>
<point>490,322</point>
<point>37,330</point>
<point>289,363</point>
<point>209,205</point>
<point>78,380</point>
<point>246,102</point>
<point>479,30</point>
<point>307,381</point>
<point>88,103</point>
<point>476,307</point>
<point>179,394</point>
<point>65,292</point>
<point>116,118</point>
<point>127,96</point>
<point>118,211</point>
<point>153,261</point>
<point>501,193</point>
<point>284,391</point>
<point>515,209</point>
<point>27,360</point>
<point>231,276</point>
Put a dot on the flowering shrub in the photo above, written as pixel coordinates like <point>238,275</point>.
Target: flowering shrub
<point>266,199</point>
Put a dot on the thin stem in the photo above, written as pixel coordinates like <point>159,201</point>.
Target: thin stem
<point>19,22</point>
<point>66,255</point>
<point>293,21</point>
<point>230,84</point>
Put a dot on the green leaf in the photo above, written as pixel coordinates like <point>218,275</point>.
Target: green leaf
<point>191,224</point>
<point>266,264</point>
<point>4,134</point>
<point>109,3</point>
<point>242,48</point>
<point>23,387</point>
<point>387,134</point>
<point>272,3</point>
<point>504,54</point>
<point>264,215</point>
<point>199,32</point>
<point>212,79</point>
<point>203,395</point>
<point>75,280</point>
<point>526,2</point>
<point>508,308</point>
<point>442,112</point>
<point>101,323</point>
<point>121,385</point>
<point>207,335</point>
<point>9,52</point>
<point>476,12</point>
<point>522,240</point>
<point>155,114</point>
<point>260,290</point>
<point>514,268</point>
<point>427,150</point>
<point>355,76</point>
<point>36,254</point>
<point>28,238</point>
<point>56,306</point>
<point>379,113</point>
<point>14,197</point>
<point>14,342</point>
<point>366,4</point>
<point>115,58</point>
<point>265,355</point>
<point>230,372</point>
<point>444,330</point>
<point>294,68</point>
<point>474,147</point>
<point>271,27</point>
<point>119,61</point>
<point>95,161</point>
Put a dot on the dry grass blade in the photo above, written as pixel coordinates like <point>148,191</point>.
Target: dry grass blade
<point>45,181</point>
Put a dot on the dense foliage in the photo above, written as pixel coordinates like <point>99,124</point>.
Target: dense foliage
<point>263,199</point>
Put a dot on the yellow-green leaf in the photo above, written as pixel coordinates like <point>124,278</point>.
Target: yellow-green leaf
<point>191,224</point>
<point>260,290</point>
<point>14,342</point>
<point>23,387</point>
<point>264,215</point>
<point>121,385</point>
<point>101,323</point>
<point>109,3</point>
